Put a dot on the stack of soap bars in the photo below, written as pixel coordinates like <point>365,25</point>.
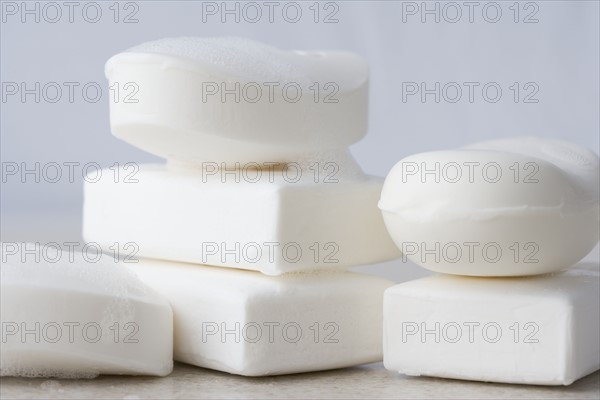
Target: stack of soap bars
<point>247,231</point>
<point>504,223</point>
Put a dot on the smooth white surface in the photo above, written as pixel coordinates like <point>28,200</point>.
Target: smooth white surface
<point>511,207</point>
<point>539,330</point>
<point>270,226</point>
<point>76,318</point>
<point>245,323</point>
<point>579,164</point>
<point>236,100</point>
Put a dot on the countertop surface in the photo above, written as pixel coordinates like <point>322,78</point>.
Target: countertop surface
<point>364,382</point>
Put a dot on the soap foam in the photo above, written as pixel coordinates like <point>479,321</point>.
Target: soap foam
<point>105,277</point>
<point>237,56</point>
<point>178,117</point>
<point>84,289</point>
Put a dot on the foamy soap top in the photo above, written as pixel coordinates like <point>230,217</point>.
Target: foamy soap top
<point>70,314</point>
<point>249,60</point>
<point>63,270</point>
<point>232,100</point>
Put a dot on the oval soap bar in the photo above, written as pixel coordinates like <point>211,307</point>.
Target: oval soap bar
<point>510,207</point>
<point>231,100</point>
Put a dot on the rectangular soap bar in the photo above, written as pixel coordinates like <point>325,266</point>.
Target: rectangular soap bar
<point>246,323</point>
<point>535,330</point>
<point>274,224</point>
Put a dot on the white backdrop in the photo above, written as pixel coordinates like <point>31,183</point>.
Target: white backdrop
<point>546,51</point>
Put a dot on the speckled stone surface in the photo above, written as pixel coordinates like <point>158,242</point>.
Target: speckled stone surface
<point>364,382</point>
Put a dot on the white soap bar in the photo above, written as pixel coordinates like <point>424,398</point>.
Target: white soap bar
<point>235,100</point>
<point>273,224</point>
<point>535,330</point>
<point>246,323</point>
<point>79,317</point>
<point>504,208</point>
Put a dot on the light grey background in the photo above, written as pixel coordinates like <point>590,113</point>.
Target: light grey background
<point>559,53</point>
